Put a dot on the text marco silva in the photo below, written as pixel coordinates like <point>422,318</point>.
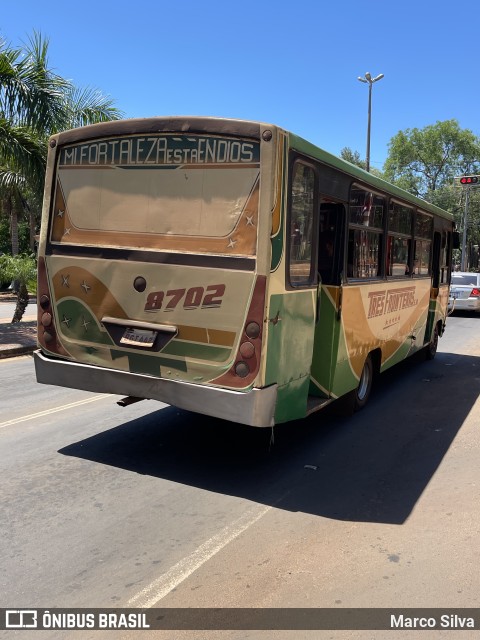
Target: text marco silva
<point>446,621</point>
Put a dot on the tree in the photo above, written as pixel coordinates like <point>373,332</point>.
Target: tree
<point>23,270</point>
<point>354,158</point>
<point>425,160</point>
<point>35,102</point>
<point>31,104</point>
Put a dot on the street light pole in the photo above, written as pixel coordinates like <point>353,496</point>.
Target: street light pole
<point>369,80</point>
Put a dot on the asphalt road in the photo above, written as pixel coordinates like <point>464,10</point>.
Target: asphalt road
<point>151,506</point>
<point>7,309</point>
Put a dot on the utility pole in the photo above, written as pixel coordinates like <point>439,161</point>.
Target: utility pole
<point>467,182</point>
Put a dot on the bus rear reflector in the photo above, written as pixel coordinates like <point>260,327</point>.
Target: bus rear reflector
<point>247,349</point>
<point>241,369</point>
<point>46,332</point>
<point>242,373</point>
<point>46,319</point>
<point>252,330</point>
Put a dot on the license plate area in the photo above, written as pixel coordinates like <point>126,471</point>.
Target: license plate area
<point>134,334</point>
<point>139,337</point>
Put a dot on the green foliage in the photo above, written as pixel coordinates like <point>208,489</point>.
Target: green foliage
<point>22,268</point>
<point>5,240</point>
<point>354,158</point>
<point>23,236</point>
<point>88,106</point>
<point>35,102</point>
<point>425,160</point>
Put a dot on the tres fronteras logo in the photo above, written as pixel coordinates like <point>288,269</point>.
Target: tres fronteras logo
<point>390,301</point>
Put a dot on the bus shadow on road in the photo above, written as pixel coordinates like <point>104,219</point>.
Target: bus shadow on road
<point>372,466</point>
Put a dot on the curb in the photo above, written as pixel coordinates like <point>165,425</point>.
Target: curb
<point>18,338</point>
<point>17,351</point>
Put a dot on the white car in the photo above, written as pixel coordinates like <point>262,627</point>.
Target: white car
<point>464,292</point>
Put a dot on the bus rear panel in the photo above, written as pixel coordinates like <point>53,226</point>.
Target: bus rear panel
<point>148,278</point>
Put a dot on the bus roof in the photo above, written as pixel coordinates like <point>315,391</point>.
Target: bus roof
<point>248,128</point>
<point>299,144</point>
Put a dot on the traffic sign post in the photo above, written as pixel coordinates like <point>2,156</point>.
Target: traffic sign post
<point>467,182</point>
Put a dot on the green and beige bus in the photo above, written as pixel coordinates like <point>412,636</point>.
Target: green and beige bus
<point>230,268</point>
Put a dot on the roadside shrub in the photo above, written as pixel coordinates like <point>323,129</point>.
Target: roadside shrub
<point>22,268</point>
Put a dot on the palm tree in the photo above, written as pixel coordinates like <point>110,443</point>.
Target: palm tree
<point>22,269</point>
<point>35,102</point>
<point>31,105</point>
<point>87,106</point>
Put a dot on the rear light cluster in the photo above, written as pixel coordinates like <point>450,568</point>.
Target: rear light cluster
<point>46,317</point>
<point>247,349</point>
<point>475,293</point>
<point>46,333</point>
<point>247,360</point>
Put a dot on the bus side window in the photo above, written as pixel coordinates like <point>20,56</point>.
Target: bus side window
<point>301,249</point>
<point>423,244</point>
<point>399,241</point>
<point>365,234</point>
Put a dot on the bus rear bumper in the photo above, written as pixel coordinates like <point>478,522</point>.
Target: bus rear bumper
<point>255,407</point>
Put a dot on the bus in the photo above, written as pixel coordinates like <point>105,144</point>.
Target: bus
<point>230,268</point>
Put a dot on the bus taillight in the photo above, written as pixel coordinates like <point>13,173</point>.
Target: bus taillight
<point>247,361</point>
<point>252,330</point>
<point>46,331</point>
<point>247,350</point>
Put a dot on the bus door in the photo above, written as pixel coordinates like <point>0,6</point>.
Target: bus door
<point>330,263</point>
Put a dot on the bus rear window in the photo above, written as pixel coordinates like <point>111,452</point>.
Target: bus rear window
<point>136,188</point>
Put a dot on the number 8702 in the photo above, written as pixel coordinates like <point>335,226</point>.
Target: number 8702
<point>207,298</point>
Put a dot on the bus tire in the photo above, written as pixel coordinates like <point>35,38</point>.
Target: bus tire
<point>432,346</point>
<point>362,392</point>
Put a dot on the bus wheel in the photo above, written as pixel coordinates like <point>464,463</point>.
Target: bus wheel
<point>362,392</point>
<point>432,346</point>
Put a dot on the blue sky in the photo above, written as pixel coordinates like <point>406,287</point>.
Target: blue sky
<point>291,64</point>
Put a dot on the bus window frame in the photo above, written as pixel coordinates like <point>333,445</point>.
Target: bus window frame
<point>389,233</point>
<point>312,283</point>
<point>446,252</point>
<point>380,231</point>
<point>421,240</point>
